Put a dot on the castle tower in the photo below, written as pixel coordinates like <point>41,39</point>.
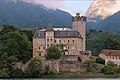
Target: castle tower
<point>79,24</point>
<point>49,38</point>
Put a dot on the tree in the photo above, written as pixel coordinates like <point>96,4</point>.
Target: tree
<point>53,52</point>
<point>3,73</point>
<point>34,68</point>
<point>6,63</point>
<point>8,28</point>
<point>15,44</point>
<point>112,44</point>
<point>14,47</point>
<point>61,47</point>
<point>110,68</point>
<point>100,61</point>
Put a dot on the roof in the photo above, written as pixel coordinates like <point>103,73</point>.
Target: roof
<point>58,29</point>
<point>109,52</point>
<point>63,34</point>
<point>59,33</point>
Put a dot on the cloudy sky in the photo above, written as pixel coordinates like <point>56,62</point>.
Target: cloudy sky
<point>71,6</point>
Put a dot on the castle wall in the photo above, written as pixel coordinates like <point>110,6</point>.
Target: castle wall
<point>38,47</point>
<point>49,39</point>
<point>79,24</point>
<point>66,67</point>
<point>73,45</point>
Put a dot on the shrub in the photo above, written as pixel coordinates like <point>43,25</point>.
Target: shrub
<point>17,73</point>
<point>3,73</point>
<point>100,61</point>
<point>34,68</point>
<point>110,68</point>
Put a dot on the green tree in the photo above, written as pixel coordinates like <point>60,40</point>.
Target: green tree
<point>34,68</point>
<point>28,33</point>
<point>100,61</point>
<point>111,43</point>
<point>3,73</point>
<point>110,68</point>
<point>53,52</point>
<point>8,28</point>
<point>15,44</point>
<point>6,61</point>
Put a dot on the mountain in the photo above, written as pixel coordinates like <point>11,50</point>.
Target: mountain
<point>100,10</point>
<point>103,8</point>
<point>111,23</point>
<point>25,15</point>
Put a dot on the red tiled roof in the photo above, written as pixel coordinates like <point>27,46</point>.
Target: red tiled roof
<point>109,52</point>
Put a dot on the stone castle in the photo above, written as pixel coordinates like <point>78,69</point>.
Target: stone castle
<point>73,39</point>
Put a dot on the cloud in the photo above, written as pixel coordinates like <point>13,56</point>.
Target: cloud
<point>54,4</point>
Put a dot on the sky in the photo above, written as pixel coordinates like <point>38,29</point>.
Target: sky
<point>71,6</point>
<point>74,6</point>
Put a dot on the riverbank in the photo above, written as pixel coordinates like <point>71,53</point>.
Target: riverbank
<point>83,76</point>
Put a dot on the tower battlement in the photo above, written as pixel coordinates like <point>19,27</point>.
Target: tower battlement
<point>78,17</point>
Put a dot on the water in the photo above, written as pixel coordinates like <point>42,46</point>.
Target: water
<point>68,79</point>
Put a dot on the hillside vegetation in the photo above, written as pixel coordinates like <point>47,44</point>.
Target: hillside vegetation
<point>95,40</point>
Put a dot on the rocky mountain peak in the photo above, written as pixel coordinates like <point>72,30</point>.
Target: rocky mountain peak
<point>103,8</point>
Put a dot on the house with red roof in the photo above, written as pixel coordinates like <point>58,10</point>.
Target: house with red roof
<point>110,55</point>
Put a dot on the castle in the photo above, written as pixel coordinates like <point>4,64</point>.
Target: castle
<point>73,39</point>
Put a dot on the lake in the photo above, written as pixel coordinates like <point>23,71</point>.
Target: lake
<point>68,79</point>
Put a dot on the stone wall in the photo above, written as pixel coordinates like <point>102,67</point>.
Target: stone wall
<point>65,66</point>
<point>72,67</point>
<point>53,64</point>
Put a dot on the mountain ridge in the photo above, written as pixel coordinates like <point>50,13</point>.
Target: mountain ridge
<point>25,15</point>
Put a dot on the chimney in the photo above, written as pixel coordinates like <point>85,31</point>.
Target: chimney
<point>77,14</point>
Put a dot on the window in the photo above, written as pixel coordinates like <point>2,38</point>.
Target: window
<point>73,41</point>
<point>63,53</point>
<point>50,39</point>
<point>64,41</point>
<point>68,41</point>
<point>39,54</point>
<point>73,52</point>
<point>43,48</point>
<point>55,41</point>
<point>68,47</point>
<point>59,41</point>
<point>39,48</point>
<point>47,39</point>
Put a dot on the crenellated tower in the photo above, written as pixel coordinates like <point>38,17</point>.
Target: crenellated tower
<point>79,24</point>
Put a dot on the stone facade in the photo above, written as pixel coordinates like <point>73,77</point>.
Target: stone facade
<point>73,39</point>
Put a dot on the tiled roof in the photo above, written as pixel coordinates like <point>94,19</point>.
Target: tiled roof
<point>109,52</point>
<point>59,33</point>
<point>62,34</point>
